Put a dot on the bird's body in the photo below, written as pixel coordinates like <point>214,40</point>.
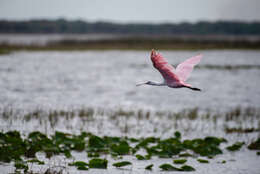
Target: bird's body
<point>173,78</point>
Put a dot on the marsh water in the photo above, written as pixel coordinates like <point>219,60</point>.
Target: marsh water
<point>108,78</point>
<point>103,83</point>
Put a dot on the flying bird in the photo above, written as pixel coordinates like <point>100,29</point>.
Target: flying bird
<point>173,78</point>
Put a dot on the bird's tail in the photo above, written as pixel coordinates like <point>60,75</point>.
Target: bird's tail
<point>192,88</point>
<point>195,89</point>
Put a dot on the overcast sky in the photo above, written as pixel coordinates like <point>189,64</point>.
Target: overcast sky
<point>152,11</point>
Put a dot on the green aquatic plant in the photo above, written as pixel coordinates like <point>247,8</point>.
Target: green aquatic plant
<point>169,167</point>
<point>93,154</point>
<point>208,146</point>
<point>35,160</point>
<point>236,146</point>
<point>23,149</point>
<point>254,145</point>
<point>122,164</point>
<point>21,165</point>
<point>122,148</point>
<point>202,160</point>
<point>81,165</point>
<point>149,167</point>
<point>185,154</point>
<point>140,157</point>
<point>187,168</point>
<point>98,163</point>
<point>179,161</point>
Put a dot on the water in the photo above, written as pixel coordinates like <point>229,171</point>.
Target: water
<point>105,81</point>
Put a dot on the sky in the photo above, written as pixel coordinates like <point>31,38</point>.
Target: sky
<point>134,11</point>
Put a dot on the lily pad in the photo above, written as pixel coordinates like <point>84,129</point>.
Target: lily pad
<point>179,161</point>
<point>121,149</point>
<point>98,163</point>
<point>149,167</point>
<point>78,163</point>
<point>122,163</point>
<point>140,157</point>
<point>235,146</point>
<point>168,167</point>
<point>81,165</point>
<point>187,168</point>
<point>202,160</point>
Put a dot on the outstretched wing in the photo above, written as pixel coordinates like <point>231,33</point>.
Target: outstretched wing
<point>161,64</point>
<point>184,69</point>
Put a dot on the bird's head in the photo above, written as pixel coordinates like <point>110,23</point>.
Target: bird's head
<point>153,53</point>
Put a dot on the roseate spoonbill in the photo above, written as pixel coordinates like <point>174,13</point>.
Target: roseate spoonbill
<point>173,78</point>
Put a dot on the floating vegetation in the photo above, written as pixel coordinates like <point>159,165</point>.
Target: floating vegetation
<point>149,167</point>
<point>255,145</point>
<point>14,147</point>
<point>98,163</point>
<point>21,165</point>
<point>169,167</point>
<point>235,146</point>
<point>179,161</point>
<point>202,160</point>
<point>122,164</point>
<point>36,161</point>
<point>140,157</point>
<point>81,165</point>
<point>185,155</point>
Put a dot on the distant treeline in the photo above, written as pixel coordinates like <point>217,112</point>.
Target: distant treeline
<point>78,26</point>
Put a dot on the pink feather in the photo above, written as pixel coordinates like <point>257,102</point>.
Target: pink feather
<point>184,69</point>
<point>174,78</point>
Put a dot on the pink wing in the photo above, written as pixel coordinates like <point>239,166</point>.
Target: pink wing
<point>184,69</point>
<point>161,64</point>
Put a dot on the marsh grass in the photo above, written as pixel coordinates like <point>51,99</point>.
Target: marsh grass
<point>134,43</point>
<point>143,134</point>
<point>237,120</point>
